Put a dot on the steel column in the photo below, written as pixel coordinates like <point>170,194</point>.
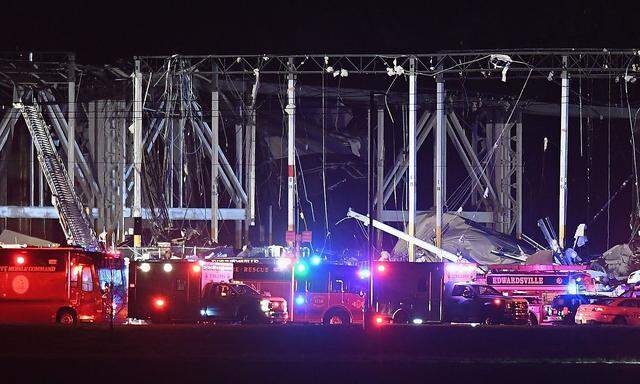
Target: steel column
<point>564,155</point>
<point>215,121</point>
<point>137,141</point>
<point>440,143</point>
<point>291,149</point>
<point>380,175</point>
<point>239,165</point>
<point>519,178</point>
<point>411,228</point>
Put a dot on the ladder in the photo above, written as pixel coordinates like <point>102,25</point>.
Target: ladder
<point>75,222</point>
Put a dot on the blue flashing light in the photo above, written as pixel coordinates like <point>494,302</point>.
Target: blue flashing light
<point>316,260</point>
<point>364,273</point>
<point>301,268</point>
<point>300,300</point>
<point>572,288</point>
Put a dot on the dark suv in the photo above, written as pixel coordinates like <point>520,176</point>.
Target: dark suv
<point>233,302</point>
<point>479,303</point>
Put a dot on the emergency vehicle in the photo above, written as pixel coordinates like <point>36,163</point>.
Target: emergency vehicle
<point>539,283</point>
<point>440,292</point>
<point>51,285</point>
<point>187,291</point>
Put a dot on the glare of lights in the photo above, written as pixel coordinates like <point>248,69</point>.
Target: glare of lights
<point>167,267</point>
<point>203,312</point>
<point>20,260</point>
<point>159,302</point>
<point>301,268</point>
<point>283,262</point>
<point>381,268</point>
<point>316,260</point>
<point>379,320</point>
<point>417,321</point>
<point>264,305</point>
<point>300,300</point>
<point>364,273</point>
<point>145,267</point>
<point>196,268</point>
<point>497,301</point>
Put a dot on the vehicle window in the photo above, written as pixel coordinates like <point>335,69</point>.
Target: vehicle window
<point>73,278</point>
<point>628,303</point>
<point>180,284</point>
<point>603,301</point>
<point>487,290</point>
<point>242,289</point>
<point>87,279</point>
<point>317,286</point>
<point>458,289</point>
<point>337,286</point>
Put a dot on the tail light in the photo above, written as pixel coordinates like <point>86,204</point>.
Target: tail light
<point>159,303</point>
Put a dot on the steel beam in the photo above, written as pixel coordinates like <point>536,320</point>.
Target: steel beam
<point>380,174</point>
<point>33,212</point>
<point>411,228</point>
<point>401,216</point>
<point>137,141</point>
<point>71,110</point>
<point>440,173</point>
<point>519,170</point>
<point>564,156</point>
<point>215,121</point>
<point>291,149</point>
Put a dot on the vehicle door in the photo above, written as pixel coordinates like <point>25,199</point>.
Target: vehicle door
<point>632,310</point>
<point>90,296</point>
<point>218,303</point>
<point>460,295</point>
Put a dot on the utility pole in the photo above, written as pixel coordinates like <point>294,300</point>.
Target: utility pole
<point>412,156</point>
<point>564,153</point>
<point>440,148</point>
<point>215,114</point>
<point>137,155</point>
<point>291,151</point>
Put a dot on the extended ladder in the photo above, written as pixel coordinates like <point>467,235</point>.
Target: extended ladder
<point>75,223</point>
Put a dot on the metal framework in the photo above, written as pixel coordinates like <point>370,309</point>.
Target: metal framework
<point>108,166</point>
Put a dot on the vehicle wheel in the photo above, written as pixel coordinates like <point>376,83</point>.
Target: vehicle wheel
<point>66,318</point>
<point>401,317</point>
<point>489,321</point>
<point>336,317</point>
<point>620,321</point>
<point>533,320</point>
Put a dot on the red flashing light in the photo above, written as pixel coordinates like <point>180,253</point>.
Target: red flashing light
<point>159,302</point>
<point>497,301</point>
<point>379,320</point>
<point>20,260</point>
<point>196,268</point>
<point>381,268</point>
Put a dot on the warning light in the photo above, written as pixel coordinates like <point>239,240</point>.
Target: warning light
<point>159,302</point>
<point>381,268</point>
<point>283,263</point>
<point>20,260</point>
<point>497,301</point>
<point>167,267</point>
<point>364,273</point>
<point>301,269</point>
<point>145,267</point>
<point>196,268</point>
<point>316,260</point>
<point>300,300</point>
<point>417,321</point>
<point>379,320</point>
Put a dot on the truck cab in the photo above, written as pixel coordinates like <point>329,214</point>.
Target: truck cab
<point>480,303</point>
<point>239,302</point>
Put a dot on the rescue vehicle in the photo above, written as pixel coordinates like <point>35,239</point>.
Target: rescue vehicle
<point>540,284</point>
<point>188,291</point>
<point>51,285</point>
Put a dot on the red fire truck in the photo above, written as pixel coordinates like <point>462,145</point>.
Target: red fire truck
<point>539,284</point>
<point>47,285</point>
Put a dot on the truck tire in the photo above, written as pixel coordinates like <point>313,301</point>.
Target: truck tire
<point>66,318</point>
<point>620,320</point>
<point>489,320</point>
<point>533,320</point>
<point>336,317</point>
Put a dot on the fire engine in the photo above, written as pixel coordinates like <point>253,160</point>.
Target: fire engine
<point>51,285</point>
<point>539,284</point>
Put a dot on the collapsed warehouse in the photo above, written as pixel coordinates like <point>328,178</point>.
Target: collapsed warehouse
<point>458,149</point>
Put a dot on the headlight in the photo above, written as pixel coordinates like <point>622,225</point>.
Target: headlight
<point>264,305</point>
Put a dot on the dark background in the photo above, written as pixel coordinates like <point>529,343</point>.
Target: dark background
<point>107,31</point>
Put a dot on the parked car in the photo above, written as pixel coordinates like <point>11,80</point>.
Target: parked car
<point>615,310</point>
<point>239,302</point>
<point>563,307</point>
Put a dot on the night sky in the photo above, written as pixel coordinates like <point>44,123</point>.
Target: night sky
<point>106,31</point>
